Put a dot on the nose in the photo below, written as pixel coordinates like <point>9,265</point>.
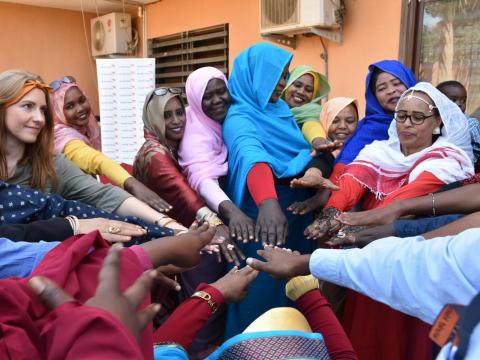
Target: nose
<point>282,83</point>
<point>39,116</point>
<point>177,119</point>
<point>342,125</point>
<point>216,99</point>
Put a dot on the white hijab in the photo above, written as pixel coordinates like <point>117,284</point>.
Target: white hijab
<point>383,168</point>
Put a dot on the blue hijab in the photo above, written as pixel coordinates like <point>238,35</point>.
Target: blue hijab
<point>255,129</point>
<point>376,122</point>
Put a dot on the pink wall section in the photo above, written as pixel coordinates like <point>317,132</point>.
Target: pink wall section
<point>371,33</point>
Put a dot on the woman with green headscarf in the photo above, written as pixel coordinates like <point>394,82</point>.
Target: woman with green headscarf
<point>304,91</point>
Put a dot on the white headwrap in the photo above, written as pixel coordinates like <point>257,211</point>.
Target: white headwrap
<point>383,168</point>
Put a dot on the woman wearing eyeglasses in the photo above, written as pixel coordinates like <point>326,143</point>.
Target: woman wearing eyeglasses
<point>77,136</point>
<point>156,165</point>
<point>428,147</point>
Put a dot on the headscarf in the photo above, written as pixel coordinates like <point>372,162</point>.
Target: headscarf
<point>383,168</point>
<point>202,152</point>
<point>154,132</point>
<point>255,129</point>
<point>321,88</point>
<point>65,132</point>
<point>331,109</point>
<point>376,121</point>
<point>27,87</point>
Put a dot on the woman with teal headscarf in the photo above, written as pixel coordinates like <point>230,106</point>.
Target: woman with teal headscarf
<point>265,149</point>
<point>304,92</point>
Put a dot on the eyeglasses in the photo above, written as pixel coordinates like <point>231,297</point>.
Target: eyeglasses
<point>416,118</point>
<point>55,85</point>
<point>162,91</point>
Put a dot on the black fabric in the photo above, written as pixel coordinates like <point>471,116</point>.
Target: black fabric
<point>323,162</point>
<point>470,318</point>
<point>56,229</point>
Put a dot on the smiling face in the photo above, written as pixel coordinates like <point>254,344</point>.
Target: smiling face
<point>216,100</point>
<point>414,138</point>
<point>388,90</point>
<point>25,119</point>
<point>174,115</point>
<point>277,92</point>
<point>344,124</point>
<point>76,107</point>
<point>300,91</point>
<point>457,94</point>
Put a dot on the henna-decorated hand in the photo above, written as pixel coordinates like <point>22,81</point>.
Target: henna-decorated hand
<point>325,225</point>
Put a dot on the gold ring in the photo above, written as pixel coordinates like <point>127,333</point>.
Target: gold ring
<point>113,229</point>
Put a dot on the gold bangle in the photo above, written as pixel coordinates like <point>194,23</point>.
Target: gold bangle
<point>300,285</point>
<point>208,298</point>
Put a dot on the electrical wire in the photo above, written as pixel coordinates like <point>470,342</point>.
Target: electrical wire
<point>87,44</point>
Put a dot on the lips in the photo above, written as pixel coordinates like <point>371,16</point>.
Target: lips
<point>394,100</point>
<point>406,134</point>
<point>176,130</point>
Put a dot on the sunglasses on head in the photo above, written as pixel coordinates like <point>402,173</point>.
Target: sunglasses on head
<point>161,91</point>
<point>55,85</point>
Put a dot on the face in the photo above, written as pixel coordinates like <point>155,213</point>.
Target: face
<point>344,124</point>
<point>26,119</point>
<point>277,92</point>
<point>458,95</point>
<point>388,90</point>
<point>300,91</point>
<point>175,118</point>
<point>216,100</point>
<point>76,107</point>
<point>414,138</point>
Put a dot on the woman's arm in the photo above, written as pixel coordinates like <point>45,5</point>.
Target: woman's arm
<point>55,229</point>
<point>94,162</point>
<point>312,130</point>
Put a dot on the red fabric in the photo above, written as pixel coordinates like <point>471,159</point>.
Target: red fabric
<point>165,177</point>
<point>378,332</point>
<point>185,322</point>
<point>321,318</point>
<point>352,191</point>
<point>261,183</point>
<point>30,331</point>
<point>338,170</point>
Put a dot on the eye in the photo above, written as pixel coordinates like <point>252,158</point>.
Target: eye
<point>82,100</point>
<point>380,88</point>
<point>297,84</point>
<point>418,116</point>
<point>308,88</point>
<point>28,106</point>
<point>179,112</point>
<point>44,110</point>
<point>167,115</point>
<point>401,115</point>
<point>207,97</point>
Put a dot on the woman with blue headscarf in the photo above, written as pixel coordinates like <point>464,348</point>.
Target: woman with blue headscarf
<point>265,148</point>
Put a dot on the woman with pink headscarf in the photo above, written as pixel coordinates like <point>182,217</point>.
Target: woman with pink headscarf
<point>77,136</point>
<point>202,153</point>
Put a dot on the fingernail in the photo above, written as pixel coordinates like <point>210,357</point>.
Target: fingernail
<point>153,273</point>
<point>157,307</point>
<point>37,284</point>
<point>178,288</point>
<point>249,261</point>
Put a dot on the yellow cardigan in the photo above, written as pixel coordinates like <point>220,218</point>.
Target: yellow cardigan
<point>313,129</point>
<point>94,162</point>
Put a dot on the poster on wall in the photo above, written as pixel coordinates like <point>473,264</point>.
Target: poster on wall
<point>122,87</point>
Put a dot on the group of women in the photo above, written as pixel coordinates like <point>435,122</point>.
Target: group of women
<point>254,157</point>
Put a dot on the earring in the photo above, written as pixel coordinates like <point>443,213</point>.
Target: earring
<point>436,131</point>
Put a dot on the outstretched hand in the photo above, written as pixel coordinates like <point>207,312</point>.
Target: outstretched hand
<point>143,193</point>
<point>108,296</point>
<point>321,145</point>
<point>281,263</point>
<point>272,225</point>
<point>313,178</point>
<point>234,285</point>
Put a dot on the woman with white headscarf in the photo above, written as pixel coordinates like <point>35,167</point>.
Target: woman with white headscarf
<point>428,147</point>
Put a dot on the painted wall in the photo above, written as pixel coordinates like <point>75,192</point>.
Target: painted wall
<point>51,42</point>
<point>371,33</point>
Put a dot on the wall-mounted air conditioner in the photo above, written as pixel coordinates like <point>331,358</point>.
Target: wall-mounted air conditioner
<point>297,16</point>
<point>111,34</point>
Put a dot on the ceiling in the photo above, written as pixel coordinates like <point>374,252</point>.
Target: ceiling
<point>103,6</point>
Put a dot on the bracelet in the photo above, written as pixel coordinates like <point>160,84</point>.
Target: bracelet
<point>74,223</point>
<point>208,298</point>
<point>300,285</point>
<point>433,204</point>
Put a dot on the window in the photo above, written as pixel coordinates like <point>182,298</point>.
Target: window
<point>177,55</point>
<point>440,41</point>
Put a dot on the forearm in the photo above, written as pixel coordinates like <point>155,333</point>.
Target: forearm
<point>55,229</point>
<point>134,207</point>
<point>213,195</point>
<point>182,326</point>
<point>462,200</point>
<point>405,277</point>
<point>456,227</point>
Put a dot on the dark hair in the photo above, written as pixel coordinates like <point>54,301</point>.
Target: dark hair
<point>373,79</point>
<point>444,84</point>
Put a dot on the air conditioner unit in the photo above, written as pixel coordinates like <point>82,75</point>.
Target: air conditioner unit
<point>111,34</point>
<point>297,16</point>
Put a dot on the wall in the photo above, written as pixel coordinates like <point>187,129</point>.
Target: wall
<point>371,33</point>
<point>49,42</point>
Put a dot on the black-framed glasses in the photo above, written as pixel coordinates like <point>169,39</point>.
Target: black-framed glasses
<point>416,118</point>
<point>162,91</point>
<point>55,85</point>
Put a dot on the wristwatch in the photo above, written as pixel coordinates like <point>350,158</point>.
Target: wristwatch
<point>208,298</point>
